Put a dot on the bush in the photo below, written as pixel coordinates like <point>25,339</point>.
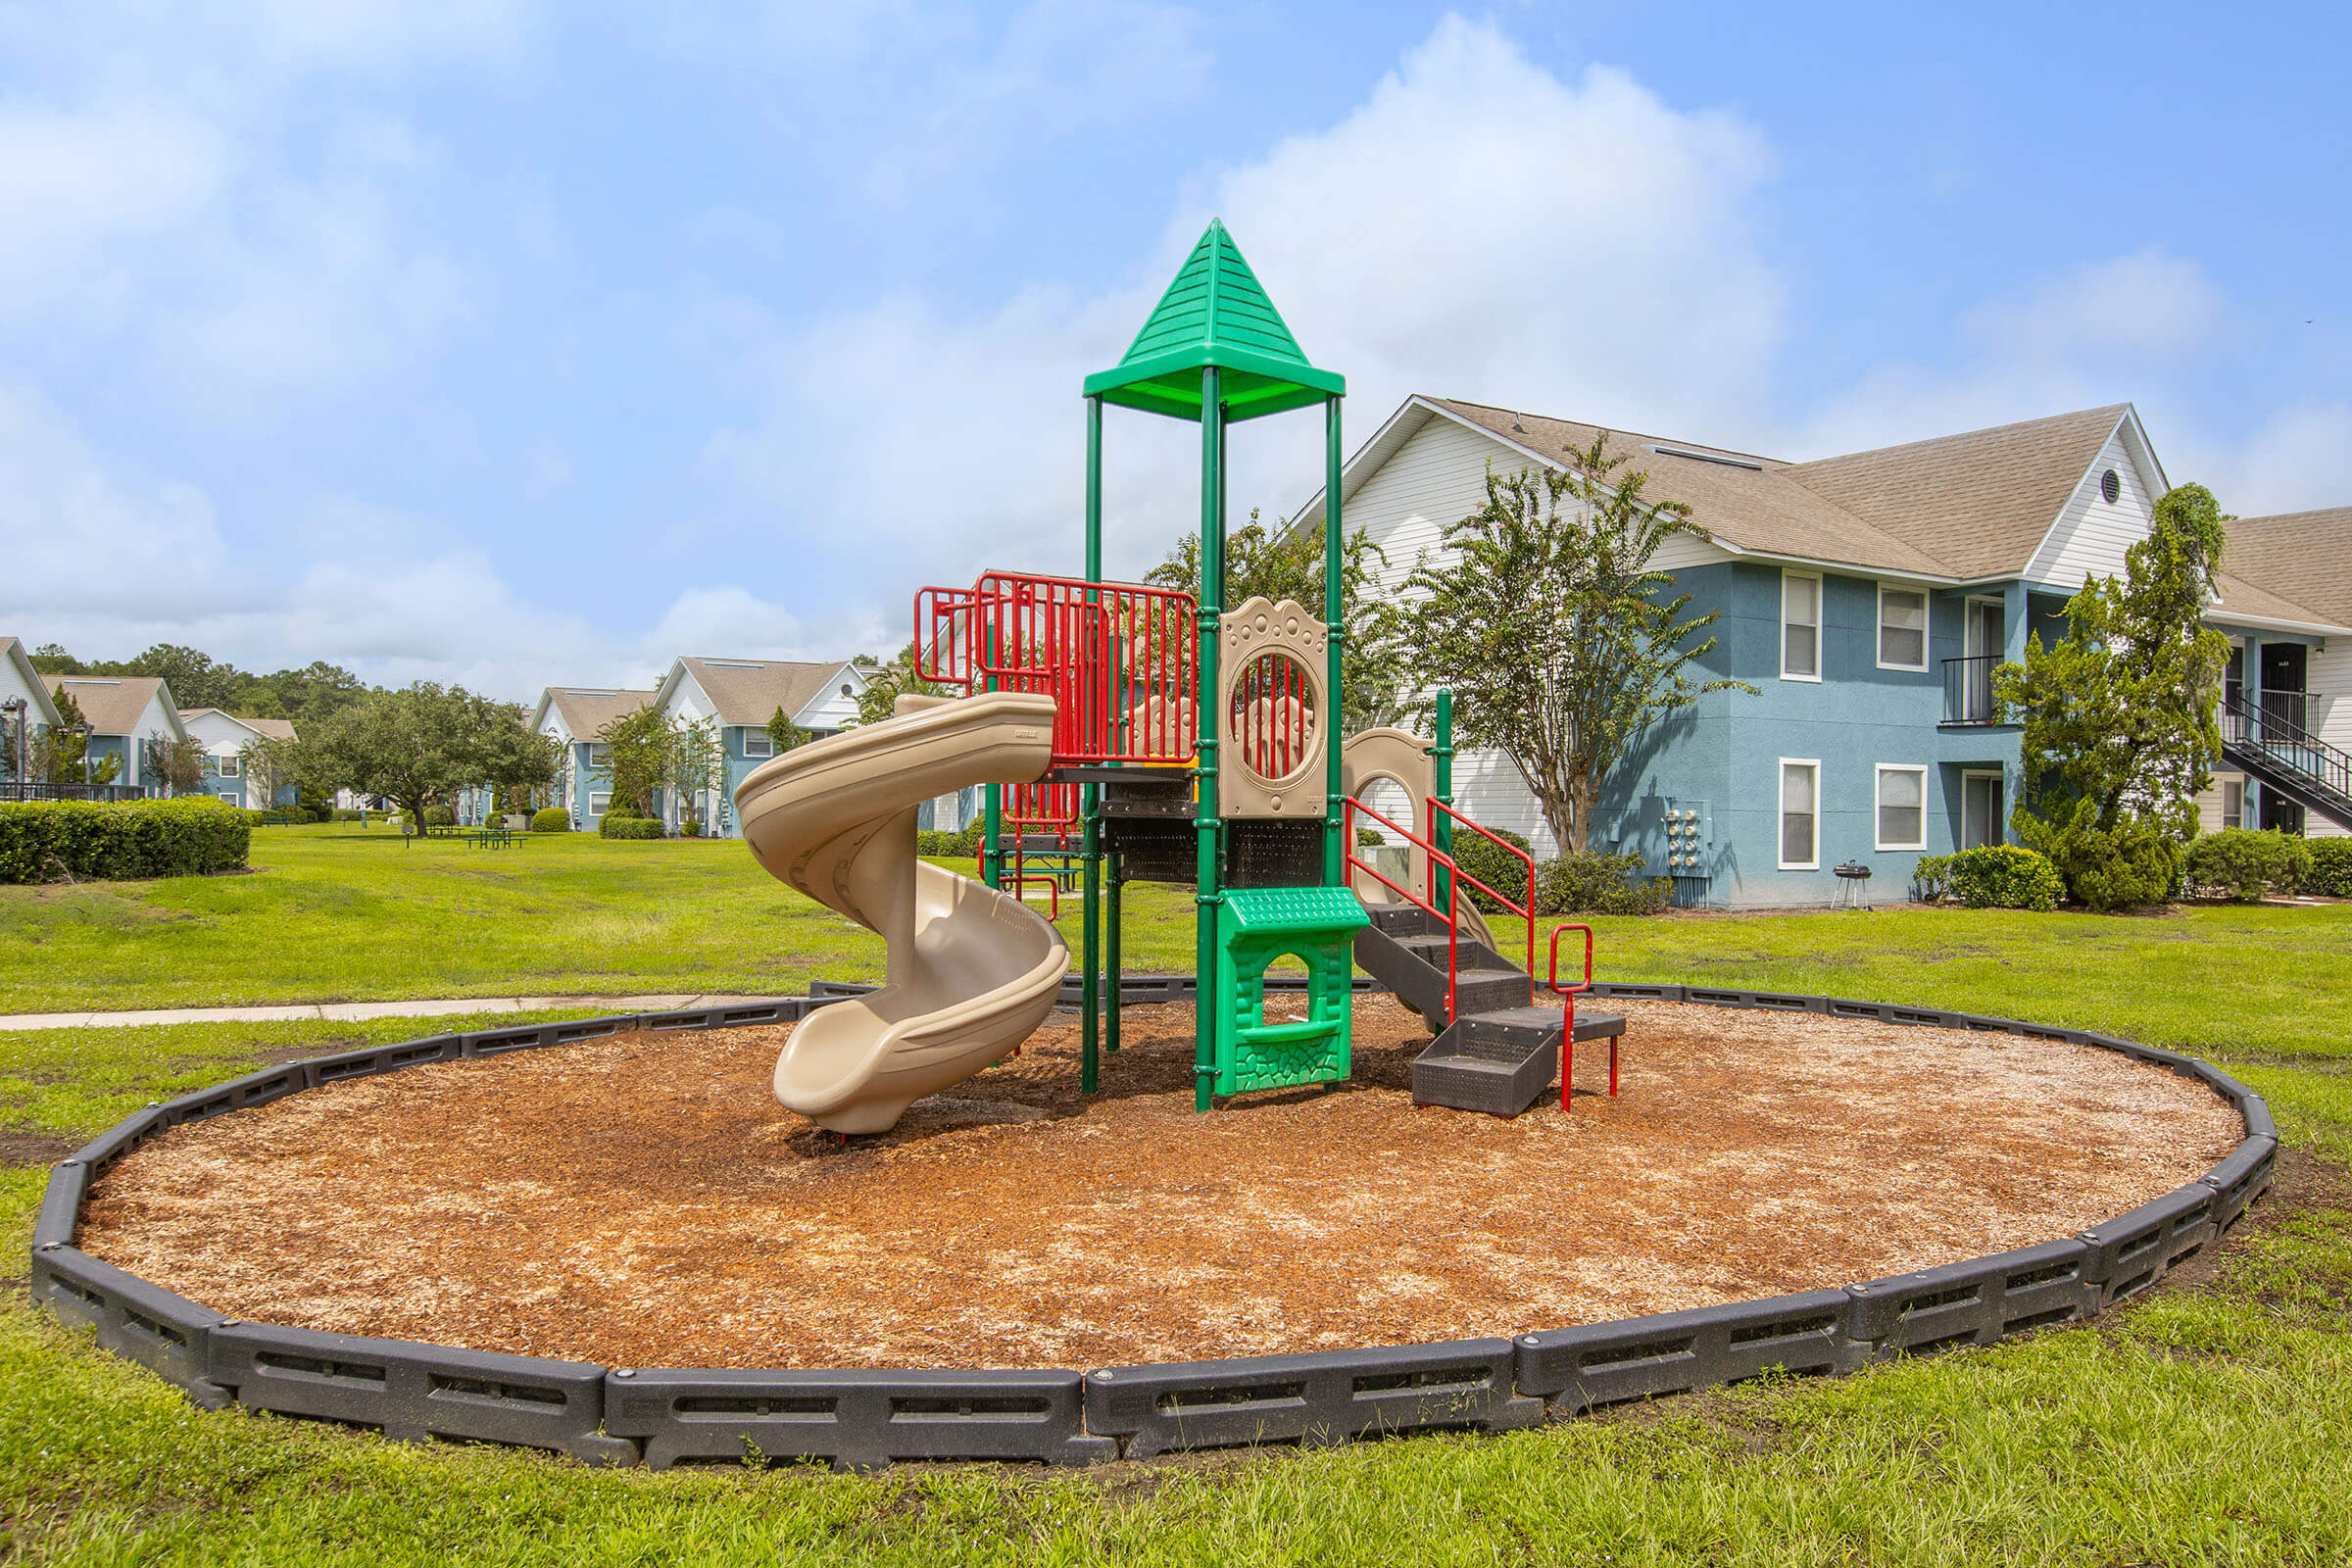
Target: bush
<point>1482,858</point>
<point>1996,876</point>
<point>613,826</point>
<point>1592,883</point>
<point>440,816</point>
<point>2331,873</point>
<point>343,815</point>
<point>2107,868</point>
<point>2246,864</point>
<point>692,827</point>
<point>553,819</point>
<point>951,845</point>
<point>42,841</point>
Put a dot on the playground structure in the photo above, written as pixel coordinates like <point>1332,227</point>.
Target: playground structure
<point>1175,739</point>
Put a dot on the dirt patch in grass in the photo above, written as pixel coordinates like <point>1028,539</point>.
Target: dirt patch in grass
<point>20,1148</point>
<point>643,1200</point>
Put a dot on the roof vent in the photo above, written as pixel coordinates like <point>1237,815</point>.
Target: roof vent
<point>1709,456</point>
<point>730,663</point>
<point>2111,485</point>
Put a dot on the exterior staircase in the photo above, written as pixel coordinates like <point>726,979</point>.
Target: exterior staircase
<point>1495,1052</point>
<point>2269,746</point>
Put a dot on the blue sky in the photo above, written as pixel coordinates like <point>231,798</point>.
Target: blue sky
<point>515,344</point>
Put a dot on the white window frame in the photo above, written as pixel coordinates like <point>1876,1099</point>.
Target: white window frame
<point>1820,605</point>
<point>1878,803</point>
<point>761,739</point>
<point>230,765</point>
<point>1926,611</point>
<point>1780,817</point>
<point>2233,818</point>
<point>599,755</point>
<point>599,801</point>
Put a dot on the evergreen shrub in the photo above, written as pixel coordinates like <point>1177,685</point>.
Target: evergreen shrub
<point>553,819</point>
<point>2246,864</point>
<point>45,841</point>
<point>2331,873</point>
<point>1994,876</point>
<point>613,826</point>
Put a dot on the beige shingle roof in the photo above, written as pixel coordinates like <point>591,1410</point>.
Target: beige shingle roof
<point>1981,502</point>
<point>1967,506</point>
<point>1748,502</point>
<point>587,710</point>
<point>2303,558</point>
<point>749,691</point>
<point>111,704</point>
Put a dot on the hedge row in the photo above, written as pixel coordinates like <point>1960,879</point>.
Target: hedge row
<point>51,841</point>
<point>1992,876</point>
<point>613,826</point>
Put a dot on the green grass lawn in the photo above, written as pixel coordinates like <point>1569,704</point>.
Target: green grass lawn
<point>2206,1426</point>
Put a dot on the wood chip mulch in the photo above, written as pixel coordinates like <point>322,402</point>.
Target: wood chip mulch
<point>644,1202</point>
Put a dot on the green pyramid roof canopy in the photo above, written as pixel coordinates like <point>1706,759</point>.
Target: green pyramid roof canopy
<point>1215,314</point>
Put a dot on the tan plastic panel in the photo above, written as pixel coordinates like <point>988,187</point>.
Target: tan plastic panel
<point>1401,757</point>
<point>1257,626</point>
<point>971,971</point>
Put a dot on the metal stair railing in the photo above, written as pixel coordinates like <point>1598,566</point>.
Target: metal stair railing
<point>2286,743</point>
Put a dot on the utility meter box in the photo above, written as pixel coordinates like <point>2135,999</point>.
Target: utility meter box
<point>1682,846</point>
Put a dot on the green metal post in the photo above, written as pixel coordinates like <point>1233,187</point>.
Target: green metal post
<point>1111,970</point>
<point>992,832</point>
<point>1089,796</point>
<point>1208,880</point>
<point>1334,636</point>
<point>1442,830</point>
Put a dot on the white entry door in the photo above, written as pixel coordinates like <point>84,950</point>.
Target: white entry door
<point>1981,816</point>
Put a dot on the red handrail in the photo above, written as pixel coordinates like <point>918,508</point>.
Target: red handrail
<point>1053,883</point>
<point>1450,915</point>
<point>1568,1032</point>
<point>1526,911</point>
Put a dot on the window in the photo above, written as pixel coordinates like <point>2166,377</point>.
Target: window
<point>1980,810</point>
<point>1902,629</point>
<point>1800,626</point>
<point>1903,807</point>
<point>597,802</point>
<point>598,753</point>
<point>1800,823</point>
<point>846,692</point>
<point>2234,803</point>
<point>755,744</point>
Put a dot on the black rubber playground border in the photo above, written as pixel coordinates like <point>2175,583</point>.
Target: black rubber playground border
<point>867,1419</point>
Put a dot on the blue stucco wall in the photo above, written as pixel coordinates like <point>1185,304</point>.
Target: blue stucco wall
<point>1723,755</point>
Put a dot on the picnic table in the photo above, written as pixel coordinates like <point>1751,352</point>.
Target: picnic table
<point>480,838</point>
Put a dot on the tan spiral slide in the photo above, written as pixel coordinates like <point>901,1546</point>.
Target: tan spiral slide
<point>972,972</point>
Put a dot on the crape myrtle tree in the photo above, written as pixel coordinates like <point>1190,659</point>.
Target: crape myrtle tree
<point>884,684</point>
<point>639,751</point>
<point>178,764</point>
<point>2119,733</point>
<point>418,746</point>
<point>698,763</point>
<point>1374,678</point>
<point>1558,637</point>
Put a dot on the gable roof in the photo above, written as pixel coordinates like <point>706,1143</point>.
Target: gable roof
<point>1981,502</point>
<point>2302,559</point>
<point>585,709</point>
<point>113,704</point>
<point>1964,507</point>
<point>277,729</point>
<point>35,681</point>
<point>747,692</point>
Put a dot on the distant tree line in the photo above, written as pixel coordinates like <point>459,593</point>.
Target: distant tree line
<point>198,680</point>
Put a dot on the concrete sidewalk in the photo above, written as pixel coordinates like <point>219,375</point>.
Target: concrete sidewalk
<point>354,1011</point>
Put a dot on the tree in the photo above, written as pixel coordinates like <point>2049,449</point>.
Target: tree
<point>515,758</point>
<point>414,747</point>
<point>178,764</point>
<point>1374,679</point>
<point>638,753</point>
<point>783,735</point>
<point>51,659</point>
<point>1546,618</point>
<point>2118,729</point>
<point>698,763</point>
<point>885,683</point>
<point>59,752</point>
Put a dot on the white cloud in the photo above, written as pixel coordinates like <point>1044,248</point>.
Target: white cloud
<point>1479,227</point>
<point>2141,307</point>
<point>2298,459</point>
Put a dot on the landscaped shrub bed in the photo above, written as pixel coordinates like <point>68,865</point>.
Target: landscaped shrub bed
<point>553,819</point>
<point>950,846</point>
<point>1996,876</point>
<point>2247,865</point>
<point>612,825</point>
<point>2331,873</point>
<point>49,841</point>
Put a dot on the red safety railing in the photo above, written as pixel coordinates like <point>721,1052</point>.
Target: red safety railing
<point>1119,660</point>
<point>1432,857</point>
<point>1525,910</point>
<point>1571,993</point>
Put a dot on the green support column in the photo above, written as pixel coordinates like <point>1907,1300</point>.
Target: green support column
<point>1207,874</point>
<point>1089,796</point>
<point>1335,607</point>
<point>1111,970</point>
<point>1442,830</point>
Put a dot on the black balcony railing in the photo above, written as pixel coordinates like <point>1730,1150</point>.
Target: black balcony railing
<point>1968,690</point>
<point>25,789</point>
<point>2273,726</point>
